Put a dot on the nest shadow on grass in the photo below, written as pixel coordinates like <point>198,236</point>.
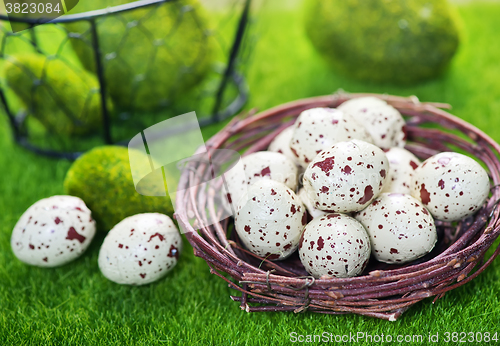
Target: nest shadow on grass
<point>382,291</point>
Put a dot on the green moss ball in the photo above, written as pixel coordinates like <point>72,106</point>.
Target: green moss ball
<point>63,98</point>
<point>398,41</point>
<point>102,177</point>
<point>150,55</point>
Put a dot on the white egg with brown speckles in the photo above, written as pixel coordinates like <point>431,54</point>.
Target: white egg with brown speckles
<point>317,129</point>
<point>452,186</point>
<point>384,122</point>
<point>261,165</point>
<point>271,222</point>
<point>335,245</point>
<point>140,249</point>
<point>53,231</point>
<point>281,143</point>
<point>346,177</point>
<point>400,228</point>
<point>402,166</point>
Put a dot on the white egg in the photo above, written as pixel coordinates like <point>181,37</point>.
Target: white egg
<point>334,245</point>
<point>402,165</point>
<point>317,129</point>
<point>384,122</point>
<point>271,221</point>
<point>346,177</point>
<point>309,204</point>
<point>400,228</point>
<point>53,231</point>
<point>140,249</point>
<point>452,186</point>
<point>281,143</point>
<point>261,165</point>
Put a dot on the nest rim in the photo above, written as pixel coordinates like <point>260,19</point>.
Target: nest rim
<point>383,294</point>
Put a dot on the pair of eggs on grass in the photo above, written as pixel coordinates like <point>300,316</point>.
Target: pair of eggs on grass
<point>349,189</point>
<point>54,231</point>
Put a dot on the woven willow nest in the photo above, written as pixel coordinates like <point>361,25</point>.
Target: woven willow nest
<point>382,291</point>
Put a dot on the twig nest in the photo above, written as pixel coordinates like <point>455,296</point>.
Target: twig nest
<point>400,228</point>
<point>347,177</point>
<point>334,245</point>
<point>317,129</point>
<point>384,122</point>
<point>314,212</point>
<point>257,166</point>
<point>402,166</point>
<point>452,186</point>
<point>271,221</point>
<point>281,143</point>
<point>140,249</point>
<point>53,231</point>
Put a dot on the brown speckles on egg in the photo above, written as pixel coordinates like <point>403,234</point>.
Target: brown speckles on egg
<point>346,178</point>
<point>367,196</point>
<point>321,128</point>
<point>384,123</point>
<point>457,183</point>
<point>425,196</point>
<point>441,184</point>
<point>152,236</point>
<point>330,243</point>
<point>400,228</point>
<point>281,226</point>
<point>53,220</point>
<point>326,165</point>
<point>257,166</point>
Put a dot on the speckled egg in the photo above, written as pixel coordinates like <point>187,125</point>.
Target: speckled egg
<point>281,143</point>
<point>402,165</point>
<point>384,122</point>
<point>257,166</point>
<point>400,228</point>
<point>346,177</point>
<point>317,129</point>
<point>314,212</point>
<point>334,245</point>
<point>452,186</point>
<point>53,231</point>
<point>272,220</point>
<point>140,249</point>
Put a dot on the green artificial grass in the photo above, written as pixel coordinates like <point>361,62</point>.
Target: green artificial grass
<point>76,305</point>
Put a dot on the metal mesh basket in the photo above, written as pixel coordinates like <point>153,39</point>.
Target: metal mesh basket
<point>382,290</point>
<point>128,67</point>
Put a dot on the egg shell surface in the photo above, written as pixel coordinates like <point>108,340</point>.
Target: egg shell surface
<point>309,205</point>
<point>335,245</point>
<point>317,129</point>
<point>261,165</point>
<point>452,186</point>
<point>53,231</point>
<point>400,228</point>
<point>281,143</point>
<point>384,122</point>
<point>140,249</point>
<point>402,166</point>
<point>346,177</point>
<point>271,222</point>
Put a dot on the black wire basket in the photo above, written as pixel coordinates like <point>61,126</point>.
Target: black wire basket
<point>104,75</point>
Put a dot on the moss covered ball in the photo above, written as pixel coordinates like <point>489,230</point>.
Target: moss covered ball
<point>150,55</point>
<point>63,98</point>
<point>102,177</point>
<point>398,41</point>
